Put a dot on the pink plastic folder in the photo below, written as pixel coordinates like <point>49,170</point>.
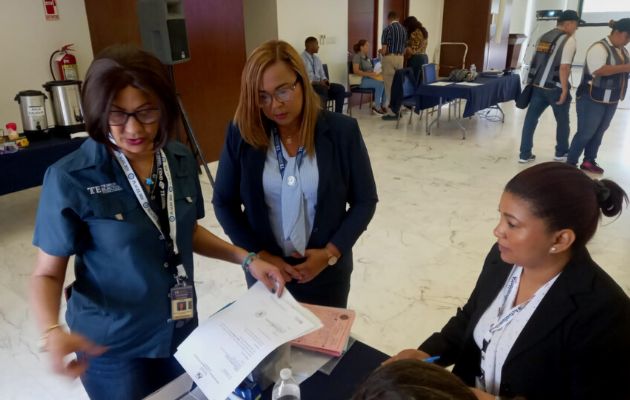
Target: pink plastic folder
<point>332,338</point>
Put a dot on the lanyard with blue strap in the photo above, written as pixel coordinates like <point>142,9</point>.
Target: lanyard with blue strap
<point>509,296</point>
<point>182,293</point>
<point>282,162</point>
<point>313,65</point>
<point>292,198</point>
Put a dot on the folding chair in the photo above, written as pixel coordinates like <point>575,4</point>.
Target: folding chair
<point>409,85</point>
<point>360,90</point>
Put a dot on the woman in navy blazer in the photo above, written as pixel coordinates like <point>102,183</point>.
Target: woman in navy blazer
<point>278,117</point>
<point>576,343</point>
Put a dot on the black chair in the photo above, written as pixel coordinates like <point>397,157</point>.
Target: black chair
<point>403,93</point>
<point>416,62</point>
<point>330,104</point>
<point>358,89</point>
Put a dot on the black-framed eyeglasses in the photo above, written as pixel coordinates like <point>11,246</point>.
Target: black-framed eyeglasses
<point>282,94</point>
<point>144,116</point>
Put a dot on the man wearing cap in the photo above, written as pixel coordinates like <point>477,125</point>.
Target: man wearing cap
<point>549,74</point>
<point>603,85</point>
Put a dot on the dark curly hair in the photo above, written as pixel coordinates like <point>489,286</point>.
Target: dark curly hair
<point>412,24</point>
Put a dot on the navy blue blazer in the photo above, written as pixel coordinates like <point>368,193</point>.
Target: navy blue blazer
<point>576,345</point>
<point>345,179</point>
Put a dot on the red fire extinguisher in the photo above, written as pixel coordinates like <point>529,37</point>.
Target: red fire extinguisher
<point>65,64</point>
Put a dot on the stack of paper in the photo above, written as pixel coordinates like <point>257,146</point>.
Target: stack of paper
<point>224,349</point>
<point>441,83</point>
<point>332,338</point>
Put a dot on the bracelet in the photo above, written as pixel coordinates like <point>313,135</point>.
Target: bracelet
<point>248,260</point>
<point>43,340</point>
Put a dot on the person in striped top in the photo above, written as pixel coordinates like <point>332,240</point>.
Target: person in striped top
<point>393,42</point>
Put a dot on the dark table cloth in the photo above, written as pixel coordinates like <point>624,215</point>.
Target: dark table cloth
<point>26,168</point>
<point>491,92</point>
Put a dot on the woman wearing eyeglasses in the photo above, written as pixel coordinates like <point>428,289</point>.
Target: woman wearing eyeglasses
<point>294,182</point>
<point>126,205</point>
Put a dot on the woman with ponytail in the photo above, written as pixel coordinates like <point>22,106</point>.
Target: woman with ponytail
<point>604,84</point>
<point>544,321</point>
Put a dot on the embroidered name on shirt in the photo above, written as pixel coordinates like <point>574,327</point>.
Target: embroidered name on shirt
<point>105,188</point>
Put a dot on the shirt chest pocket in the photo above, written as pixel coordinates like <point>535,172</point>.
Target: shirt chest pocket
<point>120,207</point>
<point>118,219</point>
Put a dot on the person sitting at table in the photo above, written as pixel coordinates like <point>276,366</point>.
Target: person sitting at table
<point>294,181</point>
<point>363,66</point>
<point>544,321</point>
<point>412,379</point>
<point>126,205</point>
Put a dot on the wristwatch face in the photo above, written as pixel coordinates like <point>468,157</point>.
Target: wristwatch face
<point>332,260</point>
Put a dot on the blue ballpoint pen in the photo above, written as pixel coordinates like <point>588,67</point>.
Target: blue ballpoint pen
<point>431,359</point>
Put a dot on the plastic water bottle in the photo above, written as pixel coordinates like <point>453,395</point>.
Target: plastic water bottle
<point>286,388</point>
<point>473,68</point>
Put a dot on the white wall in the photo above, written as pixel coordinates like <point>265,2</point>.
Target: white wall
<point>261,22</point>
<point>522,21</point>
<point>585,36</point>
<point>298,19</point>
<point>27,42</point>
<point>430,13</point>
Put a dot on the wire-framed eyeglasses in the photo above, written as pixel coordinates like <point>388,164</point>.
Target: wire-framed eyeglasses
<point>282,94</point>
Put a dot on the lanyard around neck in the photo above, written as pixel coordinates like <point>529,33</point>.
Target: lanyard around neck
<point>282,162</point>
<point>144,202</point>
<point>313,63</point>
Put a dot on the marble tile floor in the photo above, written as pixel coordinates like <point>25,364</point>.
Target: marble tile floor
<point>415,264</point>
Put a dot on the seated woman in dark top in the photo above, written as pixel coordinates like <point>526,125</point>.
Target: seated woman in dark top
<point>362,66</point>
<point>544,321</point>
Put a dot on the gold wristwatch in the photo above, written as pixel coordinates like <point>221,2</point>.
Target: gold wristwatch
<point>332,259</point>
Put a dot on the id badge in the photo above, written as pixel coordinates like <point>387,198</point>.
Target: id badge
<point>181,302</point>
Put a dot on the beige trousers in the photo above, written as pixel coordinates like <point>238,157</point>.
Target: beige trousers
<point>391,63</point>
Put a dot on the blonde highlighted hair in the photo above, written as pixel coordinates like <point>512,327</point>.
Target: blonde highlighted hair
<point>249,118</point>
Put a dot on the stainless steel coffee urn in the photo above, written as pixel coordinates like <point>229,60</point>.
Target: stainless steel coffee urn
<point>33,113</point>
<point>66,104</point>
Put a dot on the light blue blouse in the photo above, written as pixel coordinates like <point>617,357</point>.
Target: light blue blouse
<point>308,174</point>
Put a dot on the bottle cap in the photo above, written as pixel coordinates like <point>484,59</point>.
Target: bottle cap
<point>285,373</point>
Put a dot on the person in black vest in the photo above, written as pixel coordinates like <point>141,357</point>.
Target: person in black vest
<point>549,74</point>
<point>603,85</point>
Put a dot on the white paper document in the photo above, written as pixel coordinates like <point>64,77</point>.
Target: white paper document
<point>441,83</point>
<point>469,84</point>
<point>224,349</point>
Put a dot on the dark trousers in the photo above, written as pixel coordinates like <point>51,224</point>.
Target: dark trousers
<point>109,378</point>
<point>593,120</point>
<point>541,99</point>
<point>334,92</point>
